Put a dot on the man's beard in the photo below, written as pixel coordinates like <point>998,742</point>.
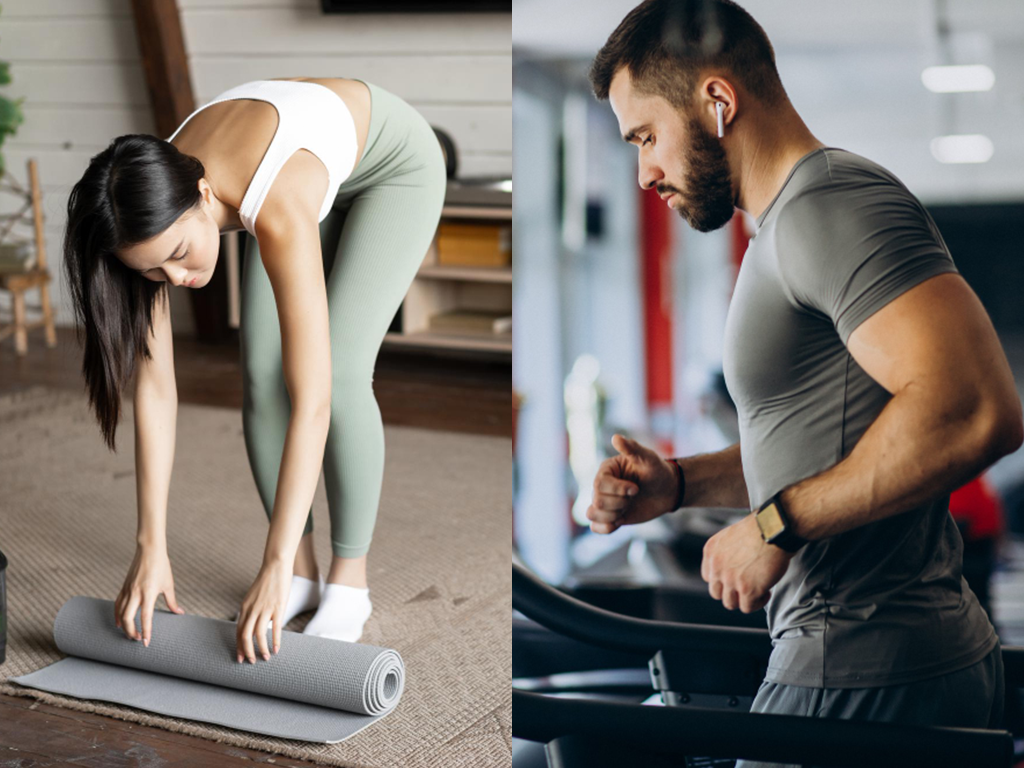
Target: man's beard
<point>707,204</point>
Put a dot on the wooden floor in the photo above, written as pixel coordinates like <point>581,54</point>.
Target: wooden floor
<point>424,391</point>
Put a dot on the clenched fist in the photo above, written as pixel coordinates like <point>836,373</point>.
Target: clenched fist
<point>741,568</point>
<point>633,487</point>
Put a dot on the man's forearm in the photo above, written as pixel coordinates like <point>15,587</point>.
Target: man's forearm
<point>910,454</point>
<point>715,479</point>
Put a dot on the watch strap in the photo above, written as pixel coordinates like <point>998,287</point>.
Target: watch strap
<point>681,483</point>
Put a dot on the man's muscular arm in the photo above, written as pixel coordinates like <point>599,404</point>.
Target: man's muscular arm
<point>954,411</point>
<point>715,479</point>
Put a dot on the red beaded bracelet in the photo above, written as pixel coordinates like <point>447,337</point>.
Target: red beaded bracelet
<point>681,482</point>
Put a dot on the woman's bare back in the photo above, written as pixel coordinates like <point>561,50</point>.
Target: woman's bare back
<point>231,138</point>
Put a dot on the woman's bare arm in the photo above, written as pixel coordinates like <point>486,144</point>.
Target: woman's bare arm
<point>292,258</point>
<point>155,406</point>
<point>156,409</point>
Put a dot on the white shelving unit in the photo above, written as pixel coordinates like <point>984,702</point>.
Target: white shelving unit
<point>439,288</point>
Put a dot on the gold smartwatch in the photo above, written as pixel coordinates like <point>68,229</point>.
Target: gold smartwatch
<point>775,526</point>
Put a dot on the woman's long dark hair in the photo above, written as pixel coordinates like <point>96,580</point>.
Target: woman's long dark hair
<point>131,192</point>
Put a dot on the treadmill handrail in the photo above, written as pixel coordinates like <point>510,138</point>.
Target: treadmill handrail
<point>581,621</point>
<point>777,738</point>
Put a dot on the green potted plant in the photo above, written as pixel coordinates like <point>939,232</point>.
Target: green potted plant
<point>15,255</point>
<point>10,111</point>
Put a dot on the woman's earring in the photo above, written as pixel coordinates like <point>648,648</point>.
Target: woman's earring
<point>720,108</point>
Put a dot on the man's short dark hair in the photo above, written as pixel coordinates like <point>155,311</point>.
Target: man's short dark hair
<point>665,46</point>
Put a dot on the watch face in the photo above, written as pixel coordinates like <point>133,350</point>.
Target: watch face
<point>770,522</point>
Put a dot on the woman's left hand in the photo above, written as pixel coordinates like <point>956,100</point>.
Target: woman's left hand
<point>264,601</point>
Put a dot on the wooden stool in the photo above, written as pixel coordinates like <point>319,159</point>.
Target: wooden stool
<point>36,277</point>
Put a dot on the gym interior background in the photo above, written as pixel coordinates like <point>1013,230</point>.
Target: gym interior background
<point>84,72</point>
<point>624,304</point>
<point>625,327</point>
<point>626,334</point>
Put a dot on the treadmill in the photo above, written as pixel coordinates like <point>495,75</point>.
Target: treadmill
<point>700,682</point>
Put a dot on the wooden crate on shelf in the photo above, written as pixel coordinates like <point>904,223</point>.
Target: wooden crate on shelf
<point>487,322</point>
<point>474,244</point>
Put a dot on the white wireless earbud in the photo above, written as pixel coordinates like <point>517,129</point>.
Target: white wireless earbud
<point>720,108</point>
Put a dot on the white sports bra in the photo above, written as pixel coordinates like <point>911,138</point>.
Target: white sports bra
<point>310,116</point>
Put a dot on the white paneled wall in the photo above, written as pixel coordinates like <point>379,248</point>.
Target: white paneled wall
<point>77,64</point>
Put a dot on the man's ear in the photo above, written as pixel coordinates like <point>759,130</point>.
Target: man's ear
<point>716,90</point>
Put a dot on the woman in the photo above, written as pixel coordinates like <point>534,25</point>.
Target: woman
<point>292,161</point>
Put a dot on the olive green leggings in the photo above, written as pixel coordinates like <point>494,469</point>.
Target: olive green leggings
<point>373,242</point>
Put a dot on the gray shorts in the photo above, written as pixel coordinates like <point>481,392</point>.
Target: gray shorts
<point>967,698</point>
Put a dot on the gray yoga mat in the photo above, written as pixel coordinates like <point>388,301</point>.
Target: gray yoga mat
<point>313,689</point>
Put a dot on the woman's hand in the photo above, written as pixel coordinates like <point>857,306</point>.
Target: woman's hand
<point>264,601</point>
<point>148,577</point>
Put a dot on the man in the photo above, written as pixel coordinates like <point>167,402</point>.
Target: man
<point>867,376</point>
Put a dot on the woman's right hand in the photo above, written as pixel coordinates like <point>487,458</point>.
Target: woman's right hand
<point>636,486</point>
<point>148,577</point>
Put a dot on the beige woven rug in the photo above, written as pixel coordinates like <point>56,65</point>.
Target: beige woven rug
<point>437,568</point>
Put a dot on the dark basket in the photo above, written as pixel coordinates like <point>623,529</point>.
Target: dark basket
<point>3,608</point>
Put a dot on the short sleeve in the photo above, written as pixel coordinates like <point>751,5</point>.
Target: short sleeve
<point>847,252</point>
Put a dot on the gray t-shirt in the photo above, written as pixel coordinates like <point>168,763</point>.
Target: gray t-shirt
<point>885,603</point>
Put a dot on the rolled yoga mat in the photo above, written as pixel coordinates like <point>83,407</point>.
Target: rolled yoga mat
<point>313,689</point>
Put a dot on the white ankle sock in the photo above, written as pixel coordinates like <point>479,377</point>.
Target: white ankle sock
<point>304,596</point>
<point>342,613</point>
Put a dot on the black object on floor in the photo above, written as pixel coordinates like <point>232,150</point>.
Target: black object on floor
<point>3,608</point>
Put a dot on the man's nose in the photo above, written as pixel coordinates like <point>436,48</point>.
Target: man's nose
<point>648,175</point>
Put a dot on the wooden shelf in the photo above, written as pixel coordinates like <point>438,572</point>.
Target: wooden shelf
<point>439,288</point>
<point>498,343</point>
<point>472,274</point>
<point>477,212</point>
